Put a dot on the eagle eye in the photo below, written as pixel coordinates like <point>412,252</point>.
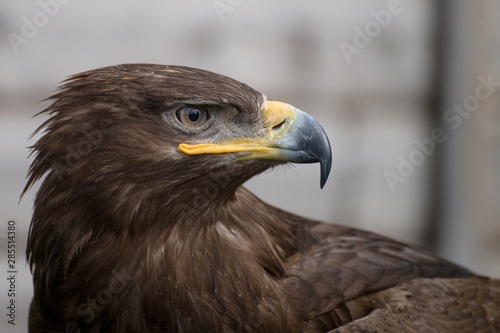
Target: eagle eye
<point>192,116</point>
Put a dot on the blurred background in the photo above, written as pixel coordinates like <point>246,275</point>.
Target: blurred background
<point>408,92</point>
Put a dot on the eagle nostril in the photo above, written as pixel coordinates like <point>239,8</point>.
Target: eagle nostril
<point>279,125</point>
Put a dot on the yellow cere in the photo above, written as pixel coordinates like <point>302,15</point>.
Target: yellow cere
<point>275,113</point>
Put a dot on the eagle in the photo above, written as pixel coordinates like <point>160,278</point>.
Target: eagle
<point>141,222</point>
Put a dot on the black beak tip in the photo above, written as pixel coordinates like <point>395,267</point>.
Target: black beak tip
<point>325,165</point>
<point>322,151</point>
<point>325,172</point>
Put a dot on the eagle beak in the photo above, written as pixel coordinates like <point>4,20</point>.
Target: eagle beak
<point>291,135</point>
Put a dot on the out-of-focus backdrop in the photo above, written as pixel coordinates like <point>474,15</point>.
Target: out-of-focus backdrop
<point>408,92</point>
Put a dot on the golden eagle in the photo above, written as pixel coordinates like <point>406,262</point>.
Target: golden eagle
<point>141,223</point>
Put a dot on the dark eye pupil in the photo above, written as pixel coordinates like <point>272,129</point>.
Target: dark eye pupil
<point>193,115</point>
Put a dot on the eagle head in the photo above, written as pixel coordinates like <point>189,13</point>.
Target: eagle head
<point>122,135</point>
